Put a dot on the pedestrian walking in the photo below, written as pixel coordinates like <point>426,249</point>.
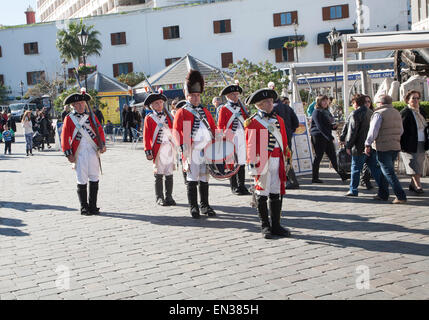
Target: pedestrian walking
<point>127,123</point>
<point>194,129</point>
<point>160,147</point>
<point>414,140</point>
<point>231,121</point>
<point>267,152</point>
<point>7,137</point>
<point>384,136</point>
<point>79,144</point>
<point>28,132</point>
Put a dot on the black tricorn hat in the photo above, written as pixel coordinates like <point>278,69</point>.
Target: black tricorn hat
<point>180,104</point>
<point>194,82</point>
<point>76,97</point>
<point>260,95</point>
<point>153,97</point>
<point>231,88</point>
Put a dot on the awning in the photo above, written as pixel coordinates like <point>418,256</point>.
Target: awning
<point>276,43</point>
<point>388,41</point>
<point>322,38</point>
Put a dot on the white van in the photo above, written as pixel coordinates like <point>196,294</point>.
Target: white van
<point>17,109</point>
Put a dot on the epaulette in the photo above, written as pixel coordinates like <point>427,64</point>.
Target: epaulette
<point>248,120</point>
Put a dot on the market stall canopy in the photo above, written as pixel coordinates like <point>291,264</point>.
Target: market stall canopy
<point>102,83</point>
<point>173,76</point>
<point>276,43</point>
<point>398,40</point>
<point>337,66</point>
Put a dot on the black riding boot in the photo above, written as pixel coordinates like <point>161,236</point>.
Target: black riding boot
<point>185,174</point>
<point>82,193</point>
<point>169,201</point>
<point>159,190</point>
<point>93,191</point>
<point>261,202</point>
<point>233,183</point>
<point>241,176</point>
<point>191,187</point>
<point>204,198</point>
<point>275,205</point>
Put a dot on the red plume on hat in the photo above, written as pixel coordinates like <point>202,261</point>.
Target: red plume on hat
<point>194,82</point>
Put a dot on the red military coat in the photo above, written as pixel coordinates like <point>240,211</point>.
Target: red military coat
<point>183,122</point>
<point>70,147</point>
<point>148,132</point>
<point>225,115</point>
<point>257,148</point>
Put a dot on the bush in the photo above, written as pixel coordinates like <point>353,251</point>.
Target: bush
<point>399,105</point>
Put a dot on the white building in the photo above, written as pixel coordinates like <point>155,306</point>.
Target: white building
<point>218,33</point>
<point>420,14</point>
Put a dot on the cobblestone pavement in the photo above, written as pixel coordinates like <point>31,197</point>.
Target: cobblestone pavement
<point>137,250</point>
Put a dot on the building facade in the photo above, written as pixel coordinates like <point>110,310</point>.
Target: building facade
<point>420,14</point>
<point>218,33</point>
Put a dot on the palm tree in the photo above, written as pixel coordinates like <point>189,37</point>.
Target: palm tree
<point>68,42</point>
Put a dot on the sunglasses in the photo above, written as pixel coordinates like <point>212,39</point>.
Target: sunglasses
<point>415,98</point>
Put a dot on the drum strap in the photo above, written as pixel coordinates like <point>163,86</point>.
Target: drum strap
<point>159,125</point>
<point>203,120</point>
<point>235,114</point>
<point>272,128</point>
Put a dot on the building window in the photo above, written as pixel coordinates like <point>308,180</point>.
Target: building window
<point>335,12</point>
<point>118,38</point>
<point>0,52</point>
<point>31,48</point>
<point>1,80</point>
<point>171,32</point>
<point>285,55</point>
<point>122,68</point>
<point>227,59</point>
<point>222,26</point>
<point>285,18</point>
<point>328,52</point>
<point>170,61</point>
<point>35,77</point>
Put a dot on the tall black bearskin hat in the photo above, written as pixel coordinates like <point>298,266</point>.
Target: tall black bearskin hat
<point>194,82</point>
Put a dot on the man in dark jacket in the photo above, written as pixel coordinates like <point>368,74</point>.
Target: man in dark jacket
<point>127,123</point>
<point>291,121</point>
<point>354,138</point>
<point>99,115</point>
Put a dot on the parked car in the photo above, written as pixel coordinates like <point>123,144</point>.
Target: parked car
<point>17,109</point>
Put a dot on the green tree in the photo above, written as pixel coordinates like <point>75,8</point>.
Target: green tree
<point>68,41</point>
<point>45,87</point>
<point>131,79</point>
<point>95,101</point>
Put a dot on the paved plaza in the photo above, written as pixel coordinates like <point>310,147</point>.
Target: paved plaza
<point>341,248</point>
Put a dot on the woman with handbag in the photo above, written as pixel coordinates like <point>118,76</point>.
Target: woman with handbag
<point>414,140</point>
<point>322,124</point>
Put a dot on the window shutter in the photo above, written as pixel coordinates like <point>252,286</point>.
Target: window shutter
<point>277,20</point>
<point>113,39</point>
<point>0,52</point>
<point>227,25</point>
<point>291,55</point>
<point>345,9</point>
<point>116,70</point>
<point>294,16</point>
<point>327,50</point>
<point>130,67</point>
<point>166,32</point>
<point>326,13</point>
<point>168,62</point>
<point>279,55</point>
<point>216,26</point>
<point>123,38</point>
<point>36,47</point>
<point>1,80</point>
<point>26,49</point>
<point>226,59</point>
<point>29,82</point>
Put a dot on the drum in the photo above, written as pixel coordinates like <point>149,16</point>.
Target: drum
<point>221,159</point>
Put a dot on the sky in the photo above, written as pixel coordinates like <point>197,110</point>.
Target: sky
<point>12,12</point>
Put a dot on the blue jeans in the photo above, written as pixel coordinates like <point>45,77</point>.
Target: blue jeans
<point>29,141</point>
<point>371,161</point>
<point>386,160</point>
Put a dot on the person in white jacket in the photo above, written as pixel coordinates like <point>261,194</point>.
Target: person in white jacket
<point>27,125</point>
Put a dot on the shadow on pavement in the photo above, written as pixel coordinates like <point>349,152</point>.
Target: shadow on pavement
<point>391,246</point>
<point>11,232</point>
<point>28,206</point>
<point>9,171</point>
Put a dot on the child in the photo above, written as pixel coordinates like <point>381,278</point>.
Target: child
<point>7,137</point>
<point>108,129</point>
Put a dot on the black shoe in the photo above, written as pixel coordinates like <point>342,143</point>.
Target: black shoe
<point>266,233</point>
<point>350,194</point>
<point>416,190</point>
<point>85,211</point>
<point>160,202</point>
<point>344,176</point>
<point>316,181</point>
<point>242,191</point>
<point>378,198</point>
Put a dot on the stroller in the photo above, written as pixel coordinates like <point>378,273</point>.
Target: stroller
<point>38,141</point>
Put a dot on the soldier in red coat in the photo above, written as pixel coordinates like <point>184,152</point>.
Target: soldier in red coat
<point>159,147</point>
<point>267,153</point>
<point>79,144</point>
<point>231,120</point>
<point>194,130</point>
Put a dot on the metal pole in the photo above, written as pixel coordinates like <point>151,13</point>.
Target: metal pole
<point>65,80</point>
<point>296,45</point>
<point>84,63</point>
<point>335,49</point>
<point>361,29</point>
<point>345,78</point>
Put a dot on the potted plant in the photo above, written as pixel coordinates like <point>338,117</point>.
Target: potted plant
<point>84,69</point>
<point>293,44</point>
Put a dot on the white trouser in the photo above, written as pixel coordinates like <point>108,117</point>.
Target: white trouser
<point>240,145</point>
<point>87,164</point>
<point>270,181</point>
<point>164,162</point>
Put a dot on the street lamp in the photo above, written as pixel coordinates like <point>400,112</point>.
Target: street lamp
<point>21,85</point>
<point>334,41</point>
<point>64,64</point>
<point>295,27</point>
<point>83,39</point>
